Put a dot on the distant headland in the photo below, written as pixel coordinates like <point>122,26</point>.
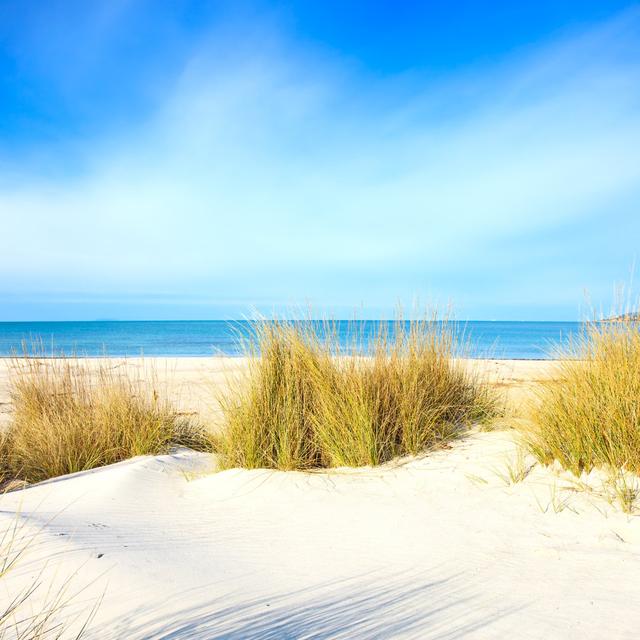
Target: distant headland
<point>631,316</point>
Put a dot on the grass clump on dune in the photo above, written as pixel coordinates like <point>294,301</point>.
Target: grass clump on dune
<point>71,415</point>
<point>269,414</point>
<point>304,403</point>
<point>589,415</point>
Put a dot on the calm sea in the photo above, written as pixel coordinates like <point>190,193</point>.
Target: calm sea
<point>512,340</point>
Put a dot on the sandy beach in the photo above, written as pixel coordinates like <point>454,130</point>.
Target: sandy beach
<point>437,546</point>
<point>194,384</point>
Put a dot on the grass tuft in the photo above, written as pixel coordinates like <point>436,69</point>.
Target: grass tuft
<point>625,489</point>
<point>305,403</point>
<point>515,471</point>
<point>71,415</point>
<point>589,415</point>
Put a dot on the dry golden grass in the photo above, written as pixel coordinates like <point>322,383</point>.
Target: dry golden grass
<point>303,404</point>
<point>70,415</point>
<point>589,415</point>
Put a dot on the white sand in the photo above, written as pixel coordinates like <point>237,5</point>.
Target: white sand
<point>438,547</point>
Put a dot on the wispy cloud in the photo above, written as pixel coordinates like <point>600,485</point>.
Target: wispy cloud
<point>273,171</point>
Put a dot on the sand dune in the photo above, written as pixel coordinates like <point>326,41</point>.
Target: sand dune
<point>436,547</point>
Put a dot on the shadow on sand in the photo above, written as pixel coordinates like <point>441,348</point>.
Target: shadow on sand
<point>407,607</point>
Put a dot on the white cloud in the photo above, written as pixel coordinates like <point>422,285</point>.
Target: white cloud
<point>263,171</point>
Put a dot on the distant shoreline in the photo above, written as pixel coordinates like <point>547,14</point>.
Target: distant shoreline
<point>223,356</point>
<point>509,340</point>
<point>624,317</point>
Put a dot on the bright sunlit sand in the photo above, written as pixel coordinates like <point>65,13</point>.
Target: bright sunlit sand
<point>443,545</point>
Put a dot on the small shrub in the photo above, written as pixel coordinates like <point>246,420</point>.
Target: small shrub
<point>589,414</point>
<point>71,415</point>
<point>305,404</point>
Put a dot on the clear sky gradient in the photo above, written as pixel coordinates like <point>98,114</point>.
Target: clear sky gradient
<point>194,160</point>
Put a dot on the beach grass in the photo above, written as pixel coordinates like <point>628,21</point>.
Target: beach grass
<point>588,415</point>
<point>70,415</point>
<point>307,402</point>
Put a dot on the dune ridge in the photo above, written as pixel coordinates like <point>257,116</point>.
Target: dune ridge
<point>436,546</point>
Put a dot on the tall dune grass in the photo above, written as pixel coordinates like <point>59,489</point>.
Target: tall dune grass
<point>72,415</point>
<point>589,414</point>
<point>305,404</point>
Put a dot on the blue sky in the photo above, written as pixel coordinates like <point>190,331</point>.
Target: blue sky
<point>193,160</point>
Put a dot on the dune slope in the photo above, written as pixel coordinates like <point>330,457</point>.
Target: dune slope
<point>438,547</point>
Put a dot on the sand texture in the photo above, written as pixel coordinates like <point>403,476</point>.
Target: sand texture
<point>438,546</point>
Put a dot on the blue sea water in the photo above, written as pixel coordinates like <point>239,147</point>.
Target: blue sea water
<point>511,340</point>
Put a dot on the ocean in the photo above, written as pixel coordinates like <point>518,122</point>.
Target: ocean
<point>500,339</point>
